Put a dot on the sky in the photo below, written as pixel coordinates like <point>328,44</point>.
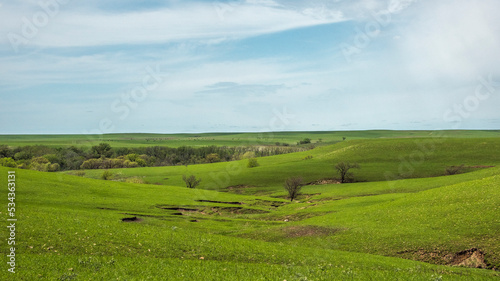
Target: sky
<point>127,66</point>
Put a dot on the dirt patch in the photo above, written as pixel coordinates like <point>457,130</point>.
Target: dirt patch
<point>221,202</point>
<point>267,203</point>
<point>237,210</point>
<point>132,219</point>
<point>469,258</point>
<point>308,230</point>
<point>181,209</point>
<point>324,181</point>
<point>239,186</point>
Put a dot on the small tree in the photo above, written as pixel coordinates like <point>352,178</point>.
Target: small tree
<point>293,186</point>
<point>252,162</point>
<point>343,170</point>
<point>191,181</point>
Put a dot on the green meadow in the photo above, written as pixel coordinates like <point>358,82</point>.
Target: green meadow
<point>402,218</point>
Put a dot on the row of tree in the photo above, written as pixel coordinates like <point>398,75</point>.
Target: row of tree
<point>103,156</point>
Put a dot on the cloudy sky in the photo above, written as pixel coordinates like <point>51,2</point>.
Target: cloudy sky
<point>169,66</point>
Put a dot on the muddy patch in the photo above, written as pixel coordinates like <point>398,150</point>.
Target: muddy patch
<point>132,219</point>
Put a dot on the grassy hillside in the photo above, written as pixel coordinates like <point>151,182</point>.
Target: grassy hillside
<point>380,160</point>
<point>71,228</point>
<point>227,139</point>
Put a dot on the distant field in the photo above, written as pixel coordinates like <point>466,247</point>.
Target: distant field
<point>226,139</point>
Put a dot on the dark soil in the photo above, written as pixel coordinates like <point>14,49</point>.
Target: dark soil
<point>132,219</point>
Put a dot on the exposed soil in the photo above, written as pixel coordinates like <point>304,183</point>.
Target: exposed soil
<point>222,202</point>
<point>181,209</point>
<point>237,210</point>
<point>324,181</point>
<point>473,257</point>
<point>240,186</point>
<point>132,219</point>
<point>469,258</point>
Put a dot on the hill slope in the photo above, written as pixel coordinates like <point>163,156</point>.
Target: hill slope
<point>72,228</point>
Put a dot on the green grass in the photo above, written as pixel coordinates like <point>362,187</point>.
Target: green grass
<point>227,139</point>
<point>380,160</point>
<point>70,227</point>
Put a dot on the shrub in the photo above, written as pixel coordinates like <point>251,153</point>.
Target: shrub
<point>308,157</point>
<point>8,162</point>
<point>53,167</point>
<point>305,141</point>
<point>134,180</point>
<point>107,175</point>
<point>91,164</point>
<point>252,162</point>
<point>80,173</point>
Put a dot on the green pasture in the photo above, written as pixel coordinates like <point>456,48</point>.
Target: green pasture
<point>380,160</point>
<point>70,228</point>
<point>226,139</point>
<point>402,218</point>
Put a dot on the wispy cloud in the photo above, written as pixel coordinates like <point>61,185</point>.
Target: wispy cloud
<point>189,21</point>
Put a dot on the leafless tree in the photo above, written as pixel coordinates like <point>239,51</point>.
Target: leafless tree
<point>191,181</point>
<point>293,186</point>
<point>343,170</point>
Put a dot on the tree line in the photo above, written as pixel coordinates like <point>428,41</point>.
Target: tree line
<point>103,156</point>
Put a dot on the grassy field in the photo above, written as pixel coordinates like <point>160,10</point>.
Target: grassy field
<point>227,139</point>
<point>402,220</point>
<point>380,160</point>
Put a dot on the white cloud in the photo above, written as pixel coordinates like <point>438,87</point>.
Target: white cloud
<point>71,28</point>
<point>456,40</point>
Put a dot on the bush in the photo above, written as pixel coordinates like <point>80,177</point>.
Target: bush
<point>53,167</point>
<point>107,175</point>
<point>305,141</point>
<point>80,173</point>
<point>252,162</point>
<point>308,157</point>
<point>8,162</point>
<point>135,180</point>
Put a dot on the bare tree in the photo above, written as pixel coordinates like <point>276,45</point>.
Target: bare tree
<point>293,186</point>
<point>343,170</point>
<point>191,181</point>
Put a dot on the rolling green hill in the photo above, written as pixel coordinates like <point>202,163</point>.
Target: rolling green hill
<point>380,160</point>
<point>402,220</point>
<point>71,228</point>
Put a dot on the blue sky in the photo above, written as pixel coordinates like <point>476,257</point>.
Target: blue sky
<point>250,65</point>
